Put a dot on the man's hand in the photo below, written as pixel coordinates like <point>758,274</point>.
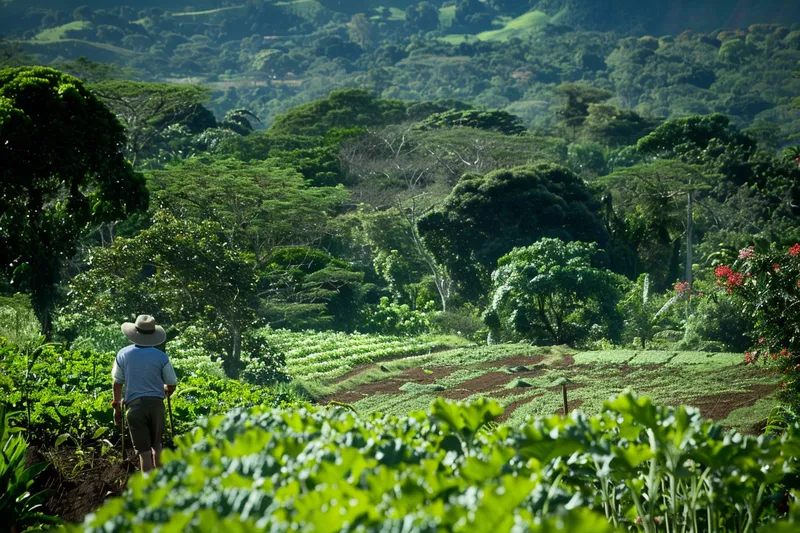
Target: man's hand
<point>169,390</point>
<point>118,416</point>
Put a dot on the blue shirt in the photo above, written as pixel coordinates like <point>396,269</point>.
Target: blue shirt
<point>144,371</point>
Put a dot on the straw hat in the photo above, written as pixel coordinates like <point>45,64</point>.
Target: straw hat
<point>144,331</point>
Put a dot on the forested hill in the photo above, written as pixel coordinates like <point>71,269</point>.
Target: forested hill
<point>624,16</point>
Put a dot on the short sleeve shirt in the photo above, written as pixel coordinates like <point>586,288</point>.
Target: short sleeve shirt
<point>144,371</point>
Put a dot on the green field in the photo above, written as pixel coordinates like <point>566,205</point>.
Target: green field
<point>519,27</point>
<point>57,34</point>
<point>526,380</point>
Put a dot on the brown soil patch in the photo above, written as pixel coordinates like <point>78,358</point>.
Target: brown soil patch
<point>517,360</point>
<point>565,361</point>
<point>391,385</point>
<point>510,408</point>
<point>718,406</point>
<point>482,384</point>
<point>72,499</point>
<point>625,369</point>
<point>366,366</point>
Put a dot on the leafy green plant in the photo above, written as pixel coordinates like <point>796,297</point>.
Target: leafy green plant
<point>634,467</point>
<point>18,505</point>
<point>644,311</point>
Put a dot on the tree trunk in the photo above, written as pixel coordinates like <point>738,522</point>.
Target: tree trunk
<point>689,257</point>
<point>442,281</point>
<point>232,364</point>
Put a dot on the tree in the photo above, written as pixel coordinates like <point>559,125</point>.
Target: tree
<point>178,270</point>
<point>497,120</point>
<point>147,109</point>
<point>708,141</point>
<point>473,15</point>
<point>484,217</point>
<point>305,288</point>
<point>423,16</point>
<point>62,171</point>
<point>577,99</point>
<point>258,206</point>
<point>550,293</point>
<point>340,109</point>
<point>360,31</point>
<point>657,192</point>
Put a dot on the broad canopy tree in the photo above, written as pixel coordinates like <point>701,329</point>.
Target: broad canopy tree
<point>147,109</point>
<point>550,291</point>
<point>259,206</point>
<point>181,272</point>
<point>61,170</point>
<point>485,217</point>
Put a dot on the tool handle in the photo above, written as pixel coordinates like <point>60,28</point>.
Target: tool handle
<point>171,426</point>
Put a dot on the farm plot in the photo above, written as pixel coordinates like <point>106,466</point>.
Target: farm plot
<point>527,381</point>
<point>312,355</point>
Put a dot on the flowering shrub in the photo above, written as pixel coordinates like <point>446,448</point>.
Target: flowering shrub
<point>768,286</point>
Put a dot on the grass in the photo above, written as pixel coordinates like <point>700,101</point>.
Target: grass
<point>736,396</point>
<point>519,27</point>
<point>446,16</point>
<point>58,33</point>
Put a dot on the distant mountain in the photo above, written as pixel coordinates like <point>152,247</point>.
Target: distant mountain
<point>670,16</point>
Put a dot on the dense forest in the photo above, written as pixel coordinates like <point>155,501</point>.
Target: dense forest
<point>298,188</point>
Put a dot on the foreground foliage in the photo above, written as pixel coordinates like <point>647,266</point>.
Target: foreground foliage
<point>19,506</point>
<point>64,395</point>
<point>643,467</point>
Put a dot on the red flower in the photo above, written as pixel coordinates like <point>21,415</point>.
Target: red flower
<point>723,271</point>
<point>776,267</point>
<point>683,287</point>
<point>761,340</point>
<point>794,251</point>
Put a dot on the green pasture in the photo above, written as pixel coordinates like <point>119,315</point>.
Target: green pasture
<point>58,33</point>
<point>519,27</point>
<point>527,380</point>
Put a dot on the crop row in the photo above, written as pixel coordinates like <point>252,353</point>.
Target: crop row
<point>318,355</point>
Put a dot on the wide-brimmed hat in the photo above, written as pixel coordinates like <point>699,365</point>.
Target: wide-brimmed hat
<point>144,331</point>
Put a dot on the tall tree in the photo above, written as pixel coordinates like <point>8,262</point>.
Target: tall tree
<point>360,31</point>
<point>259,206</point>
<point>147,109</point>
<point>181,272</point>
<point>61,170</point>
<point>484,217</point>
<point>662,196</point>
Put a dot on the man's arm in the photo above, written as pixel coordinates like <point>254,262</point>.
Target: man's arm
<point>119,379</point>
<point>170,379</point>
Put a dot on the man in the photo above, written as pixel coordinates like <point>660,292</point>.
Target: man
<point>148,377</point>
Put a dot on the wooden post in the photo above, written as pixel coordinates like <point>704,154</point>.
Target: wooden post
<point>564,392</point>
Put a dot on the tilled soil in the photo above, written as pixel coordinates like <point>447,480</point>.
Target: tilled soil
<point>718,406</point>
<point>80,489</point>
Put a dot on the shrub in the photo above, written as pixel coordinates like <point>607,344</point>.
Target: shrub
<point>390,318</point>
<point>718,322</point>
<point>766,286</point>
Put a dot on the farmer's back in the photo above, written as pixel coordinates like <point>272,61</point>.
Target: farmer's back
<point>144,370</point>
